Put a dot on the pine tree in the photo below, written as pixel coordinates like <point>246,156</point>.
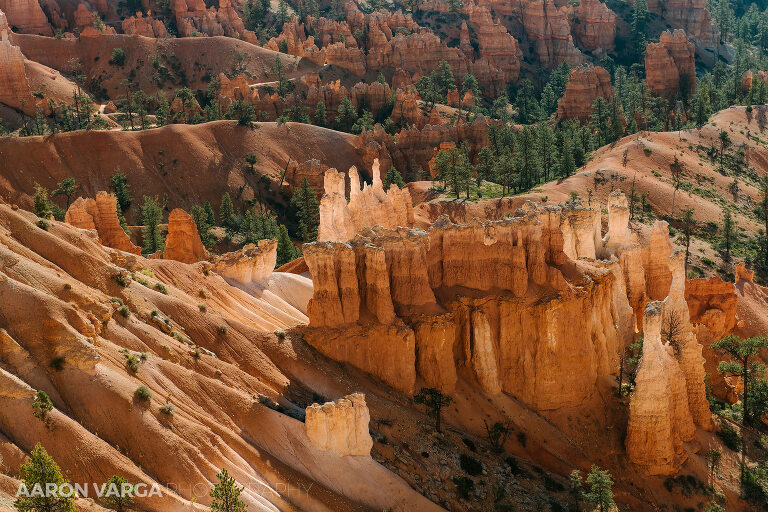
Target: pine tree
<point>286,251</point>
<point>346,116</point>
<point>41,205</point>
<point>151,217</point>
<point>391,177</point>
<point>689,224</point>
<point>39,471</point>
<point>200,216</point>
<point>600,492</point>
<point>226,211</point>
<point>226,494</point>
<point>67,188</point>
<point>453,169</point>
<point>306,209</point>
<point>444,79</point>
<point>320,117</point>
<point>119,185</point>
<point>729,232</point>
<point>209,215</point>
<point>599,121</point>
<point>640,17</point>
<point>547,151</point>
<point>526,159</point>
<point>122,501</point>
<point>567,163</point>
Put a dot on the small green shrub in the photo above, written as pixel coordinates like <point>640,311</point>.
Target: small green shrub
<point>125,311</point>
<point>117,300</point>
<point>161,288</point>
<point>647,151</point>
<point>120,279</point>
<point>223,329</point>
<point>168,409</point>
<point>730,438</point>
<point>41,405</point>
<point>131,361</point>
<point>43,224</point>
<point>143,393</point>
<point>202,307</point>
<point>118,57</point>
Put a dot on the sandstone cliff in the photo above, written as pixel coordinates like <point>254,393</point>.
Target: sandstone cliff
<point>339,220</point>
<point>340,426</point>
<point>584,86</point>
<point>15,91</point>
<point>252,263</point>
<point>101,214</point>
<point>183,241</point>
<point>670,65</point>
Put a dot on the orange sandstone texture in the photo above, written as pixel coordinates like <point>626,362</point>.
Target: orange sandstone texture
<point>15,90</point>
<point>340,426</point>
<point>183,241</point>
<point>670,65</point>
<point>101,214</point>
<point>27,16</point>
<point>584,86</point>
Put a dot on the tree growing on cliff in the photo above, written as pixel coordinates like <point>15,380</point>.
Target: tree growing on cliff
<point>226,210</point>
<point>713,458</point>
<point>306,209</point>
<point>151,217</point>
<point>200,216</point>
<point>41,205</point>
<point>320,117</point>
<point>729,232</point>
<point>676,169</point>
<point>286,251</point>
<point>41,406</point>
<point>67,188</point>
<point>600,493</point>
<point>743,363</point>
<point>497,435</point>
<point>40,471</point>
<point>226,494</point>
<point>434,400</point>
<point>391,177</point>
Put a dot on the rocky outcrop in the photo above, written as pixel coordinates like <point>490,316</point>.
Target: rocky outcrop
<point>549,32</point>
<point>27,16</point>
<point>694,18</point>
<point>15,91</point>
<point>712,303</point>
<point>101,214</point>
<point>252,264</point>
<point>593,25</point>
<point>584,86</point>
<point>140,25</point>
<point>670,65</point>
<point>194,19</point>
<point>183,241</point>
<point>340,426</point>
<point>488,297</point>
<point>659,418</point>
<point>339,220</point>
<point>742,273</point>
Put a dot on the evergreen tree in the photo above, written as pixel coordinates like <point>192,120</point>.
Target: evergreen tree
<point>525,101</point>
<point>567,163</point>
<point>434,401</point>
<point>346,116</point>
<point>743,363</point>
<point>122,190</point>
<point>689,224</point>
<point>391,177</point>
<point>547,151</point>
<point>454,170</point>
<point>200,216</point>
<point>41,406</point>
<point>209,215</point>
<point>600,121</point>
<point>226,493</point>
<point>527,159</point>
<point>600,492</point>
<point>286,251</point>
<point>444,79</point>
<point>469,83</point>
<point>640,17</point>
<point>67,188</point>
<point>41,205</point>
<point>151,217</point>
<point>39,471</point>
<point>306,209</point>
<point>122,501</point>
<point>548,102</point>
<point>226,210</point>
<point>320,117</point>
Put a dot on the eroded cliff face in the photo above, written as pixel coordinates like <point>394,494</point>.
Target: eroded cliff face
<point>371,205</point>
<point>183,241</point>
<point>493,302</point>
<point>670,65</point>
<point>251,264</point>
<point>584,86</point>
<point>101,214</point>
<point>15,91</point>
<point>340,426</point>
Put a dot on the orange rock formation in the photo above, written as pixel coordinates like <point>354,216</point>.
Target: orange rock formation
<point>252,263</point>
<point>340,426</point>
<point>27,16</point>
<point>339,220</point>
<point>670,65</point>
<point>584,86</point>
<point>183,241</point>
<point>101,214</point>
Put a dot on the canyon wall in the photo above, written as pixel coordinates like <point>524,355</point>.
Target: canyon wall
<point>670,66</point>
<point>101,214</point>
<point>585,85</point>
